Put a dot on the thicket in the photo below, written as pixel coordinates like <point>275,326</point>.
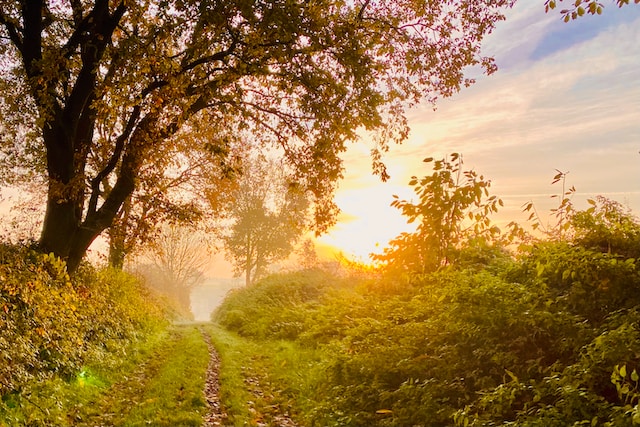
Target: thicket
<point>479,335</point>
<point>52,324</point>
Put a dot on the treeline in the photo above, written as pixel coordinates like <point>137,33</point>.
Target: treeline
<point>52,326</point>
<point>522,332</point>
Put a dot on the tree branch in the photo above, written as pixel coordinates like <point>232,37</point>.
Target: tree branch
<point>13,30</point>
<point>113,161</point>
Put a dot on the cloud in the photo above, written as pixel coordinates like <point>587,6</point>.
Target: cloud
<point>556,103</point>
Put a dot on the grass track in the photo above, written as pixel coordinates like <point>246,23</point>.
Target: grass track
<point>159,383</point>
<point>262,380</point>
<point>166,390</point>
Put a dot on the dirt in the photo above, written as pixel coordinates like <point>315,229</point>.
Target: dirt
<point>216,416</point>
<point>275,415</point>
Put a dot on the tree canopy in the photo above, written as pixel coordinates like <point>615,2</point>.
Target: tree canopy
<point>578,8</point>
<point>92,91</point>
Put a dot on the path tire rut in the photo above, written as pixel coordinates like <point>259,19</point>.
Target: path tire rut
<point>216,416</point>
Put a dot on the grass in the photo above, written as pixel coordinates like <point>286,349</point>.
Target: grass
<point>262,379</point>
<point>174,395</point>
<point>160,382</point>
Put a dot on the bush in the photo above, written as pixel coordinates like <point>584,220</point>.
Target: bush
<point>275,306</point>
<point>42,333</point>
<point>52,323</point>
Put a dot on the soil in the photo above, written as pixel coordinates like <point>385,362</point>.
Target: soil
<point>216,416</point>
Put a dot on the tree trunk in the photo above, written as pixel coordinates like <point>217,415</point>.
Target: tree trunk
<point>65,196</point>
<point>68,237</point>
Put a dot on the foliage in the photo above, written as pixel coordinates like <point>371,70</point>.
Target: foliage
<point>563,212</point>
<point>595,389</point>
<point>447,198</point>
<point>42,316</point>
<point>548,337</point>
<point>51,325</point>
<point>269,214</point>
<point>188,183</point>
<point>581,7</point>
<point>607,227</point>
<point>271,307</point>
<point>94,92</point>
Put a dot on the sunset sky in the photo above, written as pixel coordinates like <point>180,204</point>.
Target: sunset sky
<point>566,97</point>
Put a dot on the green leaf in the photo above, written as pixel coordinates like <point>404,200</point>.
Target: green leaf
<point>623,371</point>
<point>634,375</point>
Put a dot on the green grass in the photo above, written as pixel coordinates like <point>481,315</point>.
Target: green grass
<point>174,396</point>
<point>160,382</point>
<point>261,379</point>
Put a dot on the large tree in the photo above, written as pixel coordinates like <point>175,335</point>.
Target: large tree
<point>93,90</point>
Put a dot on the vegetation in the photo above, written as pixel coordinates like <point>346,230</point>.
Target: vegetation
<point>53,327</point>
<point>99,97</point>
<point>546,336</point>
<point>133,114</point>
<point>579,8</point>
<point>544,332</point>
<point>268,215</point>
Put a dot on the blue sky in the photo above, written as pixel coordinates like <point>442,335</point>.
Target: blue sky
<point>566,96</point>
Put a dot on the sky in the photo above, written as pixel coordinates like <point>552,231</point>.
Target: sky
<point>566,97</point>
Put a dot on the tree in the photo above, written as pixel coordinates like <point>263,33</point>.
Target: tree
<point>453,205</point>
<point>579,8</point>
<point>189,187</point>
<point>268,216</point>
<point>176,261</point>
<point>93,90</point>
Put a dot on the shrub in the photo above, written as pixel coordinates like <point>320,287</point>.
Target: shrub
<point>275,306</point>
<point>51,323</point>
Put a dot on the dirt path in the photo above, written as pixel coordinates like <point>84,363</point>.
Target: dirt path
<point>273,415</point>
<point>263,416</point>
<point>215,415</point>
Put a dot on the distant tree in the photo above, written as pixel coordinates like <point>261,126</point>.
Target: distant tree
<point>92,91</point>
<point>308,255</point>
<point>452,206</point>
<point>174,264</point>
<point>578,8</point>
<point>268,216</point>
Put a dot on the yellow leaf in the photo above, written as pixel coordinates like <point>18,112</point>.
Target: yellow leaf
<point>384,412</point>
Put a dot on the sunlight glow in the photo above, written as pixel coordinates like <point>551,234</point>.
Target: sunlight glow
<point>551,105</point>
